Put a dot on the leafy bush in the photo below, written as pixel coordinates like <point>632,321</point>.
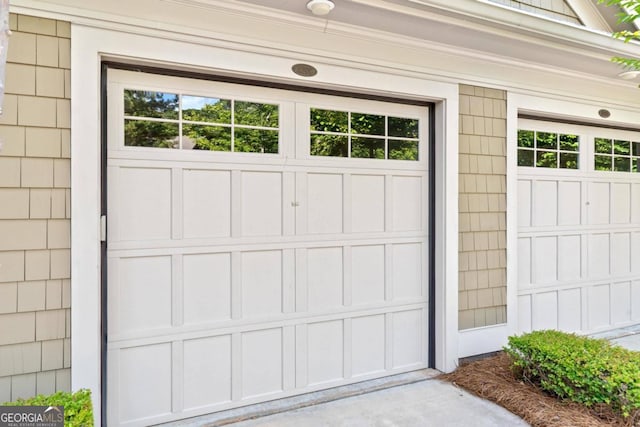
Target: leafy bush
<point>78,411</point>
<point>585,370</point>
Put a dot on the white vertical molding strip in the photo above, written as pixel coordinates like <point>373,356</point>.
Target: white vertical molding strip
<point>512,215</point>
<point>301,290</point>
<point>236,366</point>
<point>388,340</point>
<point>290,203</point>
<point>177,214</point>
<point>236,285</point>
<point>301,356</point>
<point>236,203</point>
<point>288,358</point>
<point>388,272</point>
<point>288,281</point>
<point>346,276</point>
<point>177,290</point>
<point>177,376</point>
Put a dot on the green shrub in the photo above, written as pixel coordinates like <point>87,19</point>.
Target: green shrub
<point>585,370</point>
<point>78,411</point>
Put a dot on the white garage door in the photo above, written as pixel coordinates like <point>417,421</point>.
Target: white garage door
<point>578,227</point>
<point>262,243</point>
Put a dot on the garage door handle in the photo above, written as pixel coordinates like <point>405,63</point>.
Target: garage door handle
<point>295,204</point>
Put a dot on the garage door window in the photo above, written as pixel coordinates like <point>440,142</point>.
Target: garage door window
<point>361,135</point>
<point>616,155</point>
<point>548,149</point>
<point>188,122</point>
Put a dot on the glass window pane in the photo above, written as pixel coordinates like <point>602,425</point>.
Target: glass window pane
<point>329,145</point>
<point>405,128</point>
<point>157,105</point>
<point>403,150</point>
<point>200,109</point>
<point>602,163</point>
<point>213,138</point>
<point>145,133</point>
<point>621,147</point>
<point>602,145</point>
<point>256,114</point>
<point>636,148</point>
<point>569,142</point>
<point>525,157</point>
<point>255,140</point>
<point>525,139</point>
<point>635,165</point>
<point>547,140</point>
<point>367,124</point>
<point>622,164</point>
<point>568,160</point>
<point>329,120</point>
<point>546,159</point>
<point>367,148</point>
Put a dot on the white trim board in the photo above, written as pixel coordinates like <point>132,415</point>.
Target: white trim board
<point>92,44</point>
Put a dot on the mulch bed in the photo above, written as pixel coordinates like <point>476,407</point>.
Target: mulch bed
<point>491,378</point>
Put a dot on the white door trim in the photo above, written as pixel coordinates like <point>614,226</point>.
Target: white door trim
<point>91,45</point>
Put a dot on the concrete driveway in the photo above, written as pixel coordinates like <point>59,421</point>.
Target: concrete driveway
<point>425,403</point>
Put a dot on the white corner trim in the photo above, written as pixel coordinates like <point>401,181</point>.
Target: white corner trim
<point>589,15</point>
<point>482,340</point>
<point>446,247</point>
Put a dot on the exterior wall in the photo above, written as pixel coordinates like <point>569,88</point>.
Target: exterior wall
<point>35,210</point>
<point>556,9</point>
<point>482,208</point>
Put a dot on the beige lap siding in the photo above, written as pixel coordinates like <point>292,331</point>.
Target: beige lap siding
<point>482,206</point>
<point>35,211</point>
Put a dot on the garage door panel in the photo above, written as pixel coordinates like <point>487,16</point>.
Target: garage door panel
<point>325,278</point>
<point>407,203</point>
<point>262,362</point>
<point>635,253</point>
<point>407,338</point>
<point>621,254</point>
<point>261,203</point>
<point>206,203</point>
<point>570,310</point>
<point>599,203</point>
<point>544,313</point>
<point>599,253</point>
<point>144,382</point>
<point>635,204</point>
<point>325,203</point>
<point>261,284</point>
<point>367,345</point>
<point>407,271</point>
<point>569,203</point>
<point>621,203</point>
<point>207,287</point>
<point>599,306</point>
<point>620,303</point>
<point>142,282</point>
<point>144,204</point>
<point>367,274</point>
<point>367,203</point>
<point>207,371</point>
<point>325,342</point>
<point>569,257</point>
<point>524,203</point>
<point>635,300</point>
<point>545,203</point>
<point>546,259</point>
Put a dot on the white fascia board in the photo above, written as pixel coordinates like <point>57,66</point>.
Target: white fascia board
<point>495,18</point>
<point>588,13</point>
